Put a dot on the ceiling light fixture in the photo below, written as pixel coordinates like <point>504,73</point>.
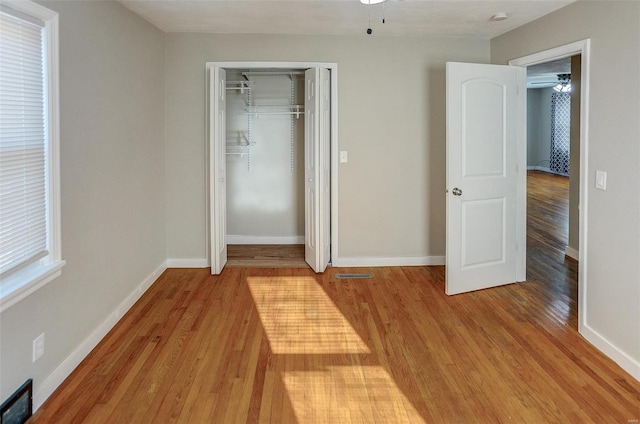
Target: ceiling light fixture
<point>564,83</point>
<point>372,1</point>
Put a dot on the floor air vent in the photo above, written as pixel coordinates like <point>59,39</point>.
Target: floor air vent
<point>352,276</point>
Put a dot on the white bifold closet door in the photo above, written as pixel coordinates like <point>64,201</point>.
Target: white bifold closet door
<point>218,172</point>
<point>317,168</point>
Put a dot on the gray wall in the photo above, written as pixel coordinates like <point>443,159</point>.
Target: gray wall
<point>391,121</point>
<point>533,127</point>
<point>612,292</point>
<point>112,166</point>
<point>539,127</point>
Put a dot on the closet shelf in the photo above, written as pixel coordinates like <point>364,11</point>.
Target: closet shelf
<point>239,149</point>
<point>238,85</point>
<point>291,74</point>
<point>296,110</point>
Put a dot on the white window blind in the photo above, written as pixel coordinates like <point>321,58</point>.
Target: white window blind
<point>23,142</point>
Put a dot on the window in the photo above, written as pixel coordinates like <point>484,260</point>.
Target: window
<point>30,254</point>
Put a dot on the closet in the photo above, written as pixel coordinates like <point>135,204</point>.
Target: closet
<point>270,136</point>
<point>265,130</point>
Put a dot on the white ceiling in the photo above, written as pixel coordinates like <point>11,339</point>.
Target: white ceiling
<point>444,18</point>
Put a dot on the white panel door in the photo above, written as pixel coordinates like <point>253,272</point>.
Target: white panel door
<point>485,104</point>
<point>217,149</point>
<point>316,163</point>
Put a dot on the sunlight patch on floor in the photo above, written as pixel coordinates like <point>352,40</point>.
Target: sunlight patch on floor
<point>299,318</point>
<point>352,394</point>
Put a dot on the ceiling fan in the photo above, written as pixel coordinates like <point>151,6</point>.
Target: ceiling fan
<point>369,3</point>
<point>550,80</point>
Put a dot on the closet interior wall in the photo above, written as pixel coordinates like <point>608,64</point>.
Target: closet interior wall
<point>265,154</point>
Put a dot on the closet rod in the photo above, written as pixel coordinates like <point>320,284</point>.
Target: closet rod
<point>258,73</point>
<point>274,108</point>
<point>275,113</point>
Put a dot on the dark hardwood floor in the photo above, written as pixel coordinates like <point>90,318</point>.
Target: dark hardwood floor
<point>258,345</point>
<point>554,275</point>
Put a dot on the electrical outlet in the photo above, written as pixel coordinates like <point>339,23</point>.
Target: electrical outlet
<point>38,347</point>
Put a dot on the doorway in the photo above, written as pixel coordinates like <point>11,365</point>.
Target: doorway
<point>480,97</point>
<point>581,49</point>
<point>553,176</point>
<point>319,110</point>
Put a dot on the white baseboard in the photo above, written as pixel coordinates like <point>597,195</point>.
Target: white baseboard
<point>625,361</point>
<point>188,263</point>
<point>396,261</point>
<point>51,383</point>
<point>572,253</point>
<point>264,240</point>
<point>540,168</point>
<point>545,169</point>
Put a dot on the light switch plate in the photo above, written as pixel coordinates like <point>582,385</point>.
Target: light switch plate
<point>601,180</point>
<point>343,156</point>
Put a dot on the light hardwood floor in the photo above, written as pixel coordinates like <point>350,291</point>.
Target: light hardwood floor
<point>266,256</point>
<point>289,346</point>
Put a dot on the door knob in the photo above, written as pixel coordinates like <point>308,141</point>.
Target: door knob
<point>456,191</point>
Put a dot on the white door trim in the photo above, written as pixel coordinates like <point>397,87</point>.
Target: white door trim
<point>582,48</point>
<point>333,67</point>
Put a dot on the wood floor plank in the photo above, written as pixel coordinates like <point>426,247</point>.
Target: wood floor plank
<point>285,345</point>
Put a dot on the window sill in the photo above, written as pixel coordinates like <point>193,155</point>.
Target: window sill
<point>25,282</point>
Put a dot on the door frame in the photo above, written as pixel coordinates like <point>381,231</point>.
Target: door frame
<point>583,48</point>
<point>209,166</point>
